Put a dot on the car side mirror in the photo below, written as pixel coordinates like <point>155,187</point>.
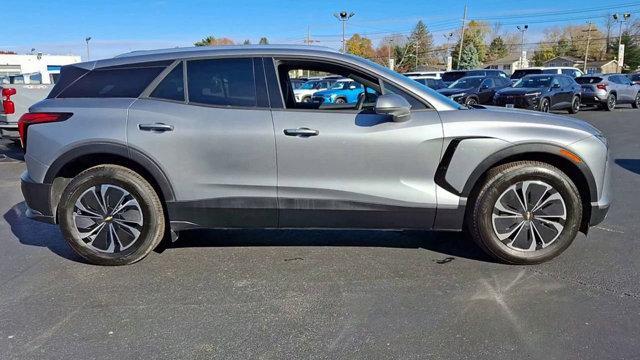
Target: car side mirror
<point>395,106</point>
<point>555,86</point>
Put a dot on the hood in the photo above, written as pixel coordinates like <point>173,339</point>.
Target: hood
<point>449,92</point>
<point>518,91</point>
<point>303,91</point>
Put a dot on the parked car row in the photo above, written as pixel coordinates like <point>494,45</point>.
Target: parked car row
<point>541,89</point>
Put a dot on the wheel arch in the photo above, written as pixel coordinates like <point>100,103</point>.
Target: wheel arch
<point>579,173</point>
<point>80,158</point>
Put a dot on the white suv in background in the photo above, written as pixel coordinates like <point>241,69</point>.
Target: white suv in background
<point>425,74</point>
<point>304,93</point>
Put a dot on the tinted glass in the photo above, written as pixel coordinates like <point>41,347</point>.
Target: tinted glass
<point>467,82</point>
<point>453,76</point>
<point>635,77</point>
<point>415,103</point>
<point>488,83</point>
<point>518,74</point>
<point>227,82</point>
<point>68,74</point>
<point>588,80</point>
<point>122,83</point>
<point>172,86</point>
<point>550,71</point>
<point>532,81</point>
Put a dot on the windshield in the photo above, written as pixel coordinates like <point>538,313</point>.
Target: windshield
<point>534,82</point>
<point>635,77</point>
<point>518,74</point>
<point>466,83</point>
<point>309,85</point>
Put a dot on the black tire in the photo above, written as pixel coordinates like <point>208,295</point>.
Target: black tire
<point>306,99</point>
<point>636,104</point>
<point>575,105</point>
<point>498,180</point>
<point>470,101</point>
<point>545,105</point>
<point>151,231</point>
<point>610,105</point>
<point>340,101</point>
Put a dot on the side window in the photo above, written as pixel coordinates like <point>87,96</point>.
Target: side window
<point>226,82</point>
<point>568,72</point>
<point>172,86</point>
<point>488,83</point>
<point>555,82</point>
<point>125,82</point>
<point>415,103</point>
<point>614,79</point>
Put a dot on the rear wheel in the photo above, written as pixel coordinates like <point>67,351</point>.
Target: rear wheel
<point>610,105</point>
<point>526,212</point>
<point>110,215</point>
<point>575,105</point>
<point>340,101</point>
<point>636,104</point>
<point>544,105</point>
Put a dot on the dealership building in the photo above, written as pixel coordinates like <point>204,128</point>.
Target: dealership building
<point>42,68</point>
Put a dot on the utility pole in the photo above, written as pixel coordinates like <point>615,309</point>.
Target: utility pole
<point>586,52</point>
<point>522,30</point>
<point>343,16</point>
<point>464,20</point>
<point>87,41</point>
<point>308,41</point>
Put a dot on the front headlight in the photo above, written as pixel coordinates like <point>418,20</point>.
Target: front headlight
<point>538,93</point>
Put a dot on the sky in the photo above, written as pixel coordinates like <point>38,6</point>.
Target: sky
<point>118,26</point>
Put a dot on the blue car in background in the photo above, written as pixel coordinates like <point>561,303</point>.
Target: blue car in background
<point>344,91</point>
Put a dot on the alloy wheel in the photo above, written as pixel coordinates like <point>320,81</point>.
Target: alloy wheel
<point>611,102</point>
<point>544,107</point>
<point>529,215</point>
<point>108,219</point>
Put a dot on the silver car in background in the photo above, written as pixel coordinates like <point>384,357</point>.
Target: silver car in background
<point>126,151</point>
<point>608,90</point>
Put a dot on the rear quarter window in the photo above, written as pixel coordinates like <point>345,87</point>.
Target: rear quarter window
<point>112,83</point>
<point>588,80</point>
<point>225,82</point>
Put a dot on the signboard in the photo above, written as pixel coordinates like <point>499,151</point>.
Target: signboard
<point>621,57</point>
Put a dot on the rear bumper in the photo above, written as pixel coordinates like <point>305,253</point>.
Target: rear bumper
<point>9,130</point>
<point>38,199</point>
<point>591,98</point>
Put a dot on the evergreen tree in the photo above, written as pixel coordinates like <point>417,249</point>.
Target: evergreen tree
<point>497,49</point>
<point>263,41</point>
<point>469,59</point>
<point>247,42</point>
<point>631,52</point>
<point>421,46</point>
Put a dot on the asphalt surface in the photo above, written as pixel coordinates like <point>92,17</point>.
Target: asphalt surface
<point>326,294</point>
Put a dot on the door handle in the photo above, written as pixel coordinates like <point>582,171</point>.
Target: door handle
<point>302,132</point>
<point>160,127</point>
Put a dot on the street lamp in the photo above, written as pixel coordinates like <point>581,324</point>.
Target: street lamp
<point>87,41</point>
<point>447,51</point>
<point>522,30</point>
<point>620,19</point>
<point>343,16</point>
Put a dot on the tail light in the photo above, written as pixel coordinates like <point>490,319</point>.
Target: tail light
<point>38,118</point>
<point>7,105</point>
<point>601,86</point>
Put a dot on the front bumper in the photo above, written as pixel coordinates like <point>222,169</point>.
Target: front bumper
<point>519,102</point>
<point>38,199</point>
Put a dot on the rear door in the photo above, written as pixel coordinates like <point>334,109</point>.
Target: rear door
<point>487,90</point>
<point>350,168</point>
<point>208,125</point>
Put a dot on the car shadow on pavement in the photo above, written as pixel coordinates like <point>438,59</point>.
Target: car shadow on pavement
<point>34,233</point>
<point>453,244</point>
<point>632,165</point>
<point>10,151</point>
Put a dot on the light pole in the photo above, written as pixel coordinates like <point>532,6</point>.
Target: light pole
<point>389,46</point>
<point>343,16</point>
<point>87,41</point>
<point>447,51</point>
<point>522,30</point>
<point>620,19</point>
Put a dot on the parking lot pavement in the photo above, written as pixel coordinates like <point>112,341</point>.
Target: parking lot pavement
<point>326,294</point>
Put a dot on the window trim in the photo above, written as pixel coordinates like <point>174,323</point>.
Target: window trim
<point>380,79</point>
<point>146,94</point>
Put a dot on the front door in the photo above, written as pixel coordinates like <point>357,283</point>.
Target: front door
<point>215,145</point>
<point>350,168</point>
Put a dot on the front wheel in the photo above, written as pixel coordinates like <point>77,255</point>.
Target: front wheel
<point>544,105</point>
<point>636,104</point>
<point>471,102</point>
<point>340,101</point>
<point>111,215</point>
<point>575,105</point>
<point>526,212</point>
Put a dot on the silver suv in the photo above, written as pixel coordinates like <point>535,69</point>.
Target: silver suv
<point>609,90</point>
<point>128,151</point>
